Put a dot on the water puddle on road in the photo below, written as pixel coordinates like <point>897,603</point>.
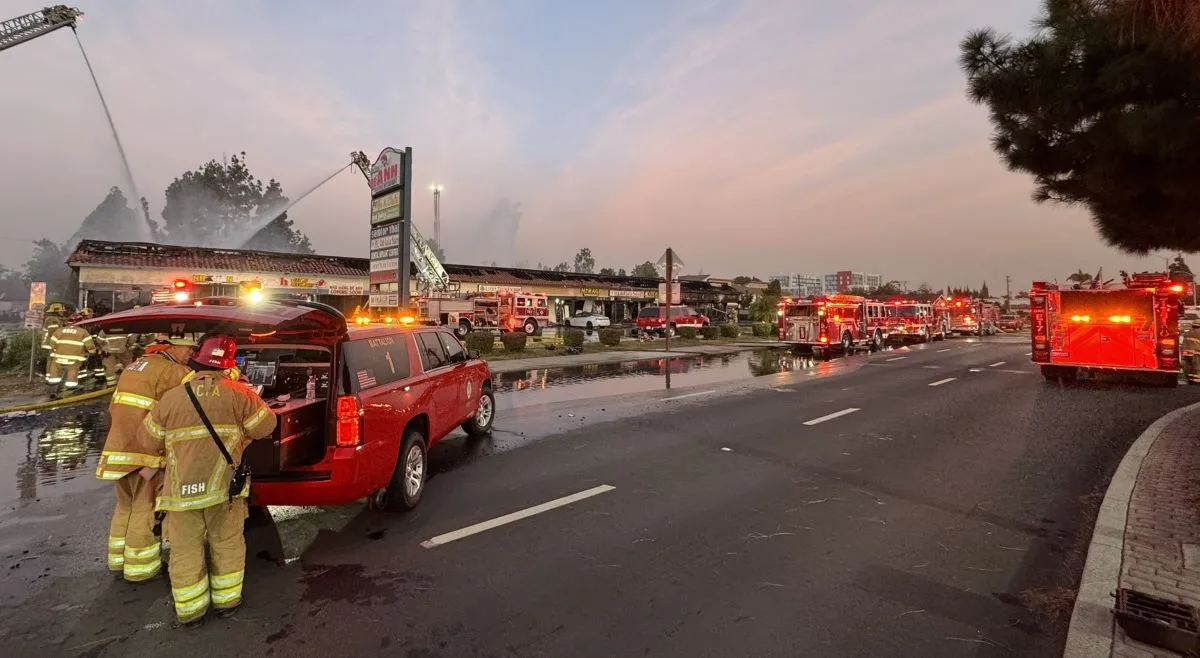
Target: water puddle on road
<point>545,385</point>
<point>50,455</point>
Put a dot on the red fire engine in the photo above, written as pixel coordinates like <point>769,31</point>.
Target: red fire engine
<point>1131,329</point>
<point>505,310</point>
<point>917,321</point>
<point>833,322</point>
<point>969,317</point>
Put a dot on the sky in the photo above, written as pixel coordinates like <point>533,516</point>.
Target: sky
<point>752,136</point>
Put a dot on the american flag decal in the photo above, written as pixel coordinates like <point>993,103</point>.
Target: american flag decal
<point>365,379</point>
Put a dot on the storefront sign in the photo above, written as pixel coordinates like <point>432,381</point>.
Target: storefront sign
<point>346,290</point>
<point>385,215</point>
<point>387,172</point>
<point>386,230</point>
<point>384,300</point>
<point>593,292</point>
<point>484,287</point>
<point>386,241</point>
<point>389,200</point>
<point>632,294</point>
<point>37,294</point>
<point>384,254</point>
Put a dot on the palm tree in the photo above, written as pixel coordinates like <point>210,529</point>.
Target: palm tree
<point>1080,277</point>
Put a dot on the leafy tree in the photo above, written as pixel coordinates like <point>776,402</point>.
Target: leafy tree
<point>562,267</point>
<point>984,292</point>
<point>646,270</point>
<point>621,272</point>
<point>608,271</point>
<point>742,279</point>
<point>889,289</point>
<point>113,219</point>
<point>763,309</point>
<point>48,263</point>
<point>226,205</point>
<point>584,262</point>
<point>1179,270</point>
<point>13,284</point>
<point>1100,107</point>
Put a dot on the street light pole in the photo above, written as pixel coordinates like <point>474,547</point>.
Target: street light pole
<point>437,213</point>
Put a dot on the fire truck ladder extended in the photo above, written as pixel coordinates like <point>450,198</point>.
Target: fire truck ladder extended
<point>31,26</point>
<point>429,268</point>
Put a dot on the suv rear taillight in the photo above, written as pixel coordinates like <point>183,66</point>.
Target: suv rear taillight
<point>349,422</point>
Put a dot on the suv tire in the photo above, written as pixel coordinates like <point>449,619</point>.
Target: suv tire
<point>477,428</point>
<point>412,469</point>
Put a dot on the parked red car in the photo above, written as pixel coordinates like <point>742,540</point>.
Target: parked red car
<point>385,394</point>
<point>1011,322</point>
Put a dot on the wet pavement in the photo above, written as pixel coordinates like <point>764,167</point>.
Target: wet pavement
<point>732,524</point>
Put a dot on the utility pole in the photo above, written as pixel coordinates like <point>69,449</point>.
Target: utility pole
<point>437,213</point>
<point>1007,293</point>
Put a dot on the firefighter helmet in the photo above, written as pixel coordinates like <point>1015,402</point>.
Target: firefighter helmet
<point>216,351</point>
<point>56,307</point>
<point>85,312</point>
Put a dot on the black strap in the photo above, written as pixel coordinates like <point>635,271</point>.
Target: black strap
<point>208,425</point>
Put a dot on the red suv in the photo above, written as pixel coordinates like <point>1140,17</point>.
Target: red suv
<point>652,319</point>
<point>385,394</point>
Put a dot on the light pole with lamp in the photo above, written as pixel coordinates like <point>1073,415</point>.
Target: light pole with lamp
<point>437,213</point>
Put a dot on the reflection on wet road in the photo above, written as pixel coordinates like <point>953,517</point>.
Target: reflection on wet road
<point>546,385</point>
<point>51,455</point>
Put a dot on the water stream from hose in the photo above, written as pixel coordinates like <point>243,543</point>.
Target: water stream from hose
<point>264,220</point>
<point>137,198</point>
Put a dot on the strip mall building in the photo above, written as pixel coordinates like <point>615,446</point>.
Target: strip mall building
<point>117,275</point>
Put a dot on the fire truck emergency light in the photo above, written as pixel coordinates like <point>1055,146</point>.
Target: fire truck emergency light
<point>1081,318</point>
<point>181,290</point>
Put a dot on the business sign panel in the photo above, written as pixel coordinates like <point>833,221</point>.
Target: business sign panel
<point>389,179</point>
<point>387,172</point>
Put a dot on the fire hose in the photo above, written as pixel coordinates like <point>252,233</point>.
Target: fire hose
<point>61,402</point>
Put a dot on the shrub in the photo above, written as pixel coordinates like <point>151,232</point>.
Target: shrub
<point>610,337</point>
<point>763,330</point>
<point>729,331</point>
<point>573,338</point>
<point>14,352</point>
<point>514,341</point>
<point>480,341</point>
<point>688,333</point>
<point>710,332</point>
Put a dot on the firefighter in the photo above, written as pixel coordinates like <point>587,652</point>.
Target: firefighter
<point>118,353</point>
<point>93,368</point>
<point>1191,353</point>
<point>51,322</point>
<point>205,507</point>
<point>70,347</point>
<point>133,461</point>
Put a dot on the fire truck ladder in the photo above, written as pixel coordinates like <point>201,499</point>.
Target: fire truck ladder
<point>31,26</point>
<point>429,268</point>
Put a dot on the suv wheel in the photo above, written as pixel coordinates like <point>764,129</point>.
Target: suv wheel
<point>480,425</point>
<point>408,480</point>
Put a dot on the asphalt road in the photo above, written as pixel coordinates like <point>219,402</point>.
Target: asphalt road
<point>926,502</point>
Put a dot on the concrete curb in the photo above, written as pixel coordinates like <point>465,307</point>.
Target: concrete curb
<point>1092,624</point>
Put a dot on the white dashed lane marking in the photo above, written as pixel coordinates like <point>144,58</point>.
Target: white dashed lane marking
<point>897,358</point>
<point>943,381</point>
<point>931,367</point>
<point>945,350</point>
<point>997,364</point>
<point>441,540</point>
<point>688,395</point>
<point>1029,354</point>
<point>836,414</point>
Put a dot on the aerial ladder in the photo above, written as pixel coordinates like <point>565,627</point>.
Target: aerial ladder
<point>31,26</point>
<point>430,270</point>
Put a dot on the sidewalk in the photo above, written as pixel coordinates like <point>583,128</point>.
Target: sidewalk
<point>1147,537</point>
<point>618,356</point>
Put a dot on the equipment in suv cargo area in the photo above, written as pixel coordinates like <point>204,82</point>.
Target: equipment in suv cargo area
<point>383,395</point>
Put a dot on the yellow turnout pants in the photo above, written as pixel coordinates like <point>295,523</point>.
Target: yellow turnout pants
<point>195,581</point>
<point>132,547</point>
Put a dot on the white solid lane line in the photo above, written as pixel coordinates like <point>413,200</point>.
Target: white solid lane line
<point>997,364</point>
<point>441,540</point>
<point>1015,372</point>
<point>945,350</point>
<point>897,358</point>
<point>1029,354</point>
<point>975,370</point>
<point>836,414</point>
<point>943,381</point>
<point>689,395</point>
<point>931,367</point>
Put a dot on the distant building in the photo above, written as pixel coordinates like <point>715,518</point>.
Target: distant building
<point>844,281</point>
<point>799,285</point>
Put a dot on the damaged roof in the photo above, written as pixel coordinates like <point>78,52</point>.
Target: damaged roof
<point>102,253</point>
